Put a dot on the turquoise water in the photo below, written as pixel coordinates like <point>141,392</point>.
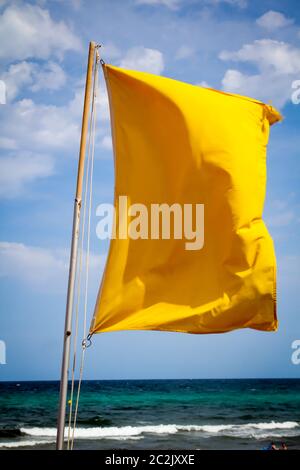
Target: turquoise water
<point>156,414</point>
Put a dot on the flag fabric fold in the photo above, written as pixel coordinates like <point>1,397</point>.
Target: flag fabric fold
<point>176,143</point>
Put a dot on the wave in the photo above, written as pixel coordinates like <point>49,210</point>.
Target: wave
<point>249,430</point>
<point>46,435</point>
<point>106,432</point>
<point>10,445</point>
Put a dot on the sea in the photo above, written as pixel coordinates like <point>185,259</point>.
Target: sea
<point>156,414</point>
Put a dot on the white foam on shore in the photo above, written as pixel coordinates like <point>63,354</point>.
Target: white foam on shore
<point>12,444</point>
<point>265,430</point>
<point>273,425</point>
<point>105,432</point>
<point>249,430</point>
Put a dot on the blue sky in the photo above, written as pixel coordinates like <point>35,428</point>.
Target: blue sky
<point>248,47</point>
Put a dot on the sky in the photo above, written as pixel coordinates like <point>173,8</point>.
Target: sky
<point>242,46</point>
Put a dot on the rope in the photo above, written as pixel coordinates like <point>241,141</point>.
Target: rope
<point>88,190</point>
<point>78,297</point>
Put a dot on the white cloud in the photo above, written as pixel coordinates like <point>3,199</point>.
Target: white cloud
<point>237,3</point>
<point>172,4</point>
<point>274,20</point>
<point>106,142</point>
<point>50,77</point>
<point>143,59</point>
<point>32,130</point>
<point>184,52</point>
<point>175,4</point>
<point>75,106</point>
<point>39,127</point>
<point>109,50</point>
<point>16,171</point>
<point>29,31</point>
<point>36,77</point>
<point>33,265</point>
<point>7,144</point>
<point>278,56</point>
<point>260,86</point>
<point>17,76</point>
<point>204,84</point>
<point>102,102</point>
<point>41,267</point>
<point>278,64</point>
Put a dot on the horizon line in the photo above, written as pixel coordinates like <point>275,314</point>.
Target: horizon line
<point>152,379</point>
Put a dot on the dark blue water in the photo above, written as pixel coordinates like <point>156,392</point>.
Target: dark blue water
<point>156,414</point>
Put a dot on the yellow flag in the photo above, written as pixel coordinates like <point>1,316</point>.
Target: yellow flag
<point>183,146</point>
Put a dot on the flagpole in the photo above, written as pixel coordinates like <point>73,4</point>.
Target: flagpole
<point>74,250</point>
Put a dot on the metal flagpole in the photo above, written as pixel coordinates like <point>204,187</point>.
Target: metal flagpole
<point>73,254</point>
